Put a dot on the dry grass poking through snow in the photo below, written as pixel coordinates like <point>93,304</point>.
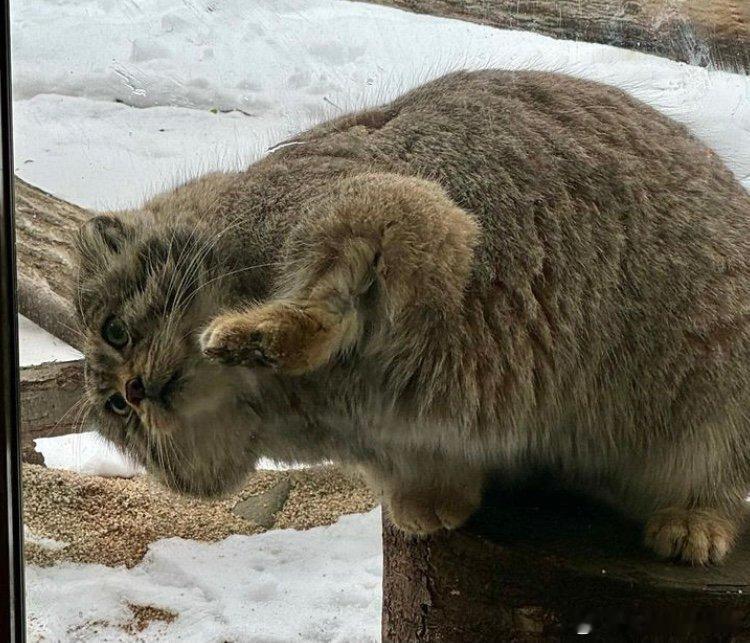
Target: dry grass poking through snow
<point>144,615</point>
<point>112,521</point>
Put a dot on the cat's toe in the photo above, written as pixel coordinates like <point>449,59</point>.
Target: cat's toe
<point>413,516</point>
<point>232,340</point>
<point>455,511</point>
<point>216,343</point>
<point>694,536</point>
<point>424,513</point>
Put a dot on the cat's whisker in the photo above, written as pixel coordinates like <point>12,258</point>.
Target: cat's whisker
<point>178,261</point>
<point>231,273</point>
<point>152,448</point>
<point>195,259</point>
<point>76,330</point>
<point>186,275</point>
<point>171,456</point>
<point>190,273</point>
<point>189,298</point>
<point>82,411</point>
<point>75,409</point>
<point>81,419</point>
<point>78,425</point>
<point>209,243</point>
<point>172,238</point>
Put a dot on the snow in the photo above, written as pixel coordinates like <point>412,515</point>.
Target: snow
<point>115,101</point>
<point>37,345</point>
<point>317,585</point>
<point>46,543</point>
<point>87,453</point>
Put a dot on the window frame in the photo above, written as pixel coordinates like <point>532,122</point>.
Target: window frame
<point>12,604</point>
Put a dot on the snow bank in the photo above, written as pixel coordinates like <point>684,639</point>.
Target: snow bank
<point>29,537</point>
<point>88,453</point>
<point>317,585</point>
<point>36,345</point>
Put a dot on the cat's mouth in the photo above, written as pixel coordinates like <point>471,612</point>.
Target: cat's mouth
<point>211,475</point>
<point>154,389</point>
<point>156,418</point>
<point>187,428</point>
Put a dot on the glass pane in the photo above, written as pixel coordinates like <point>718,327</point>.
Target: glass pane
<point>251,522</point>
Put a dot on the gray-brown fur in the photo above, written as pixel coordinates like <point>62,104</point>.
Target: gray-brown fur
<point>498,270</point>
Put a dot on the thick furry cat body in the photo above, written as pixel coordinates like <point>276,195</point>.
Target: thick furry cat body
<point>498,270</point>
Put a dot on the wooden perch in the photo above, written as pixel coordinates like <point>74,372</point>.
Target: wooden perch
<point>541,565</point>
<point>45,226</point>
<point>699,32</point>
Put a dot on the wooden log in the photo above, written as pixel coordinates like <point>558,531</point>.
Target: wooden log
<point>543,565</point>
<point>50,398</point>
<point>699,32</point>
<point>50,393</point>
<point>45,228</point>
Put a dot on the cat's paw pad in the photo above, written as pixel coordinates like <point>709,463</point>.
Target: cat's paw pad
<point>233,339</point>
<point>295,338</point>
<point>421,514</point>
<point>695,536</point>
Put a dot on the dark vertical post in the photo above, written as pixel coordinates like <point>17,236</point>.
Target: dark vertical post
<point>12,619</point>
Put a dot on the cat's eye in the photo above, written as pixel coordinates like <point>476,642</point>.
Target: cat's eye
<point>115,332</point>
<point>117,404</point>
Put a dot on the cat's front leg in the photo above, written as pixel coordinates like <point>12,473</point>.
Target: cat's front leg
<point>295,336</point>
<point>388,250</point>
<point>424,502</point>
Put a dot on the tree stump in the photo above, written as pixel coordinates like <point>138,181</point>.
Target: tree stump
<point>541,564</point>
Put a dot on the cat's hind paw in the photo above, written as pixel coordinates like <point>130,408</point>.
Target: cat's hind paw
<point>694,536</point>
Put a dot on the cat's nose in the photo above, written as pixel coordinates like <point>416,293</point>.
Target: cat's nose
<point>135,391</point>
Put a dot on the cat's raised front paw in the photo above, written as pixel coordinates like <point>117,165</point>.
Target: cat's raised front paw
<point>235,339</point>
<point>695,536</point>
<point>283,335</point>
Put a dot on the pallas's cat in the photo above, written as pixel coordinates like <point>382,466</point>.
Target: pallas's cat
<point>496,271</point>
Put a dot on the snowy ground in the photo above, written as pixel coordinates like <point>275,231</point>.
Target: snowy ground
<point>87,453</point>
<point>117,100</point>
<point>317,585</point>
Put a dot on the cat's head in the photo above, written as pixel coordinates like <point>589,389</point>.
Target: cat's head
<point>145,291</point>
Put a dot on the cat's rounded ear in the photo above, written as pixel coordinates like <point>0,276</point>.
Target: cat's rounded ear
<point>100,237</point>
